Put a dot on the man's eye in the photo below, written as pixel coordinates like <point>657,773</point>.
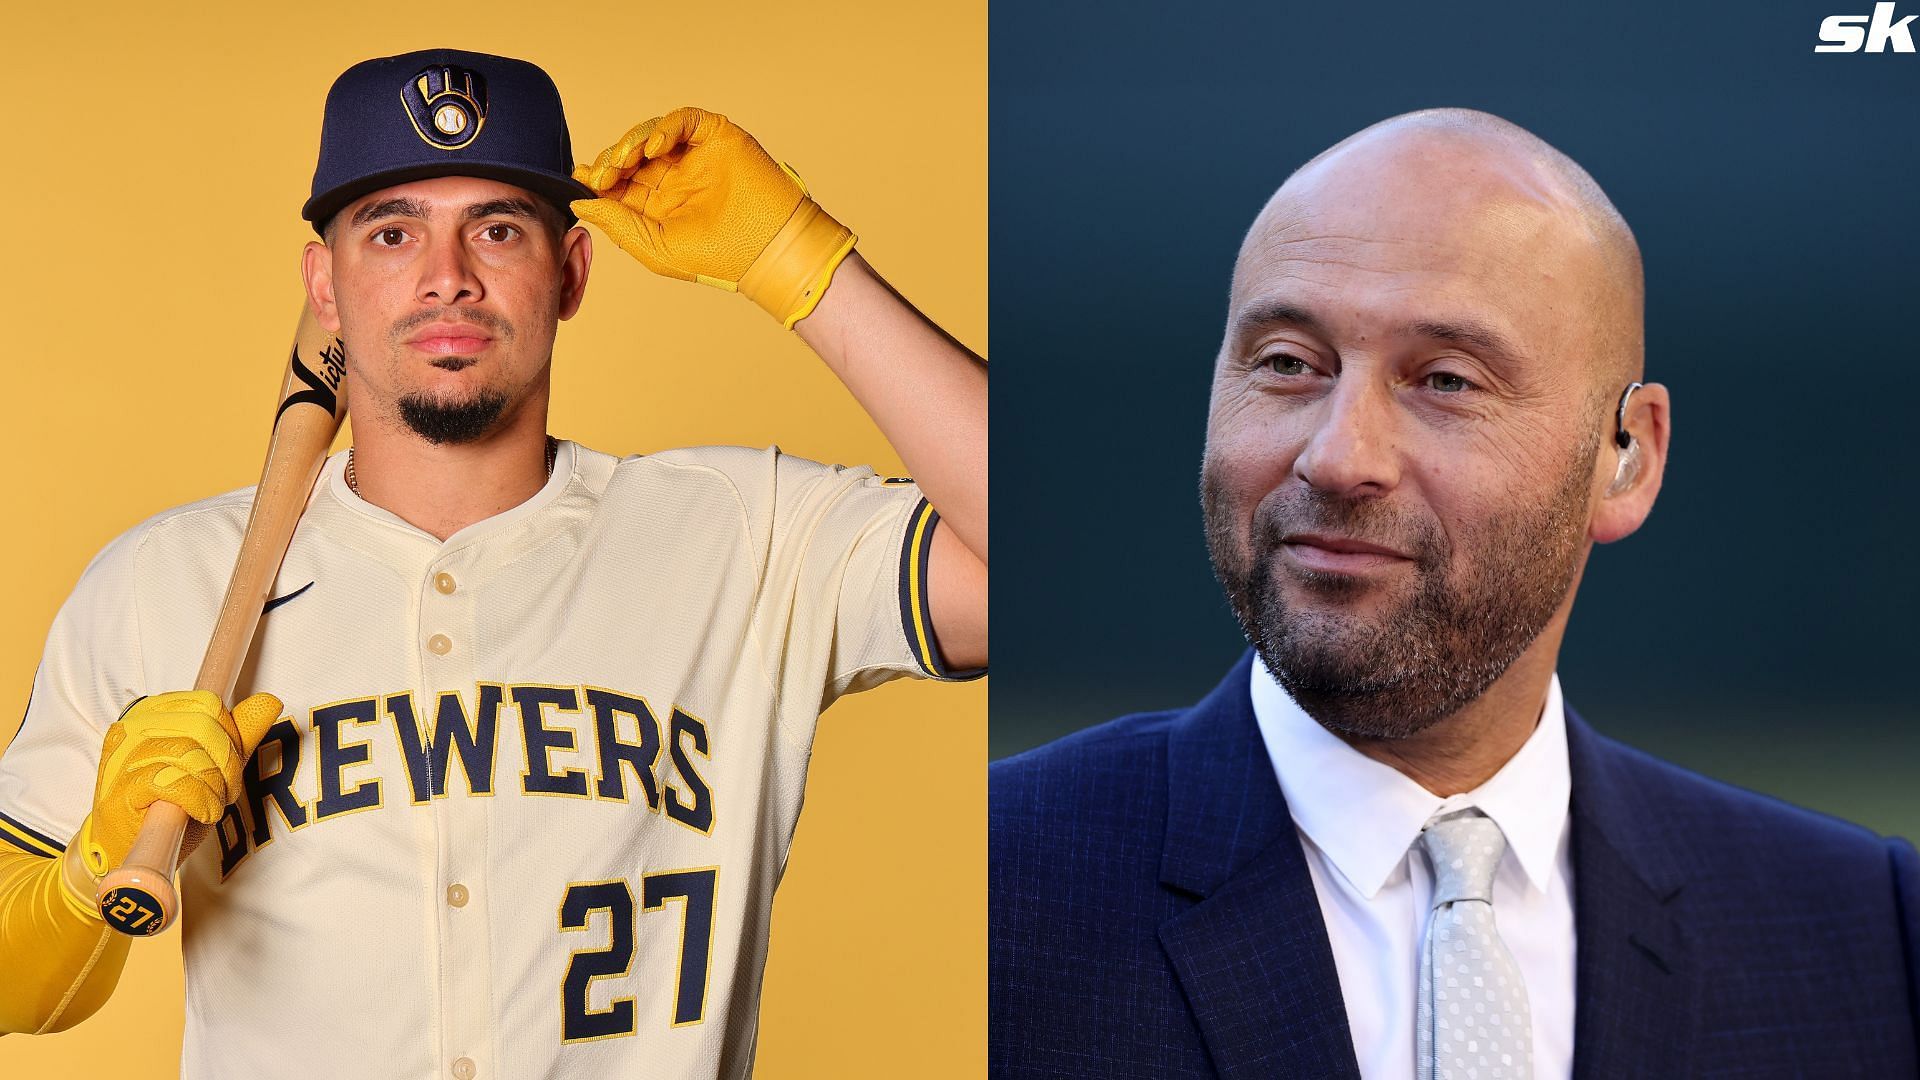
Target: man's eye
<point>1285,364</point>
<point>500,234</point>
<point>389,237</point>
<point>1448,383</point>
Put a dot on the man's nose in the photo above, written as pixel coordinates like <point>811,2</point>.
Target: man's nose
<point>1353,448</point>
<point>446,273</point>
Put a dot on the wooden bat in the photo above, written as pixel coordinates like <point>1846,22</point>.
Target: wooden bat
<point>139,897</point>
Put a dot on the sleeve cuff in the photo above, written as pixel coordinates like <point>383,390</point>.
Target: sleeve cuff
<point>916,619</point>
<point>28,839</point>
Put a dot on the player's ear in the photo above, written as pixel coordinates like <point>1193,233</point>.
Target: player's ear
<point>1628,476</point>
<point>316,269</point>
<point>576,254</point>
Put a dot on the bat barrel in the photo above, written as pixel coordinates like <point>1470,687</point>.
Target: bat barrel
<point>139,897</point>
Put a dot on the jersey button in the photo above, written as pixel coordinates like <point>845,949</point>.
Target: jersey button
<point>439,644</point>
<point>457,895</point>
<point>443,582</point>
<point>464,1068</point>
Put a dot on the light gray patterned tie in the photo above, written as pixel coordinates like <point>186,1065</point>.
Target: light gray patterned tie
<point>1472,1021</point>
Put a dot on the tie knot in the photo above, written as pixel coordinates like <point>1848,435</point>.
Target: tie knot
<point>1464,848</point>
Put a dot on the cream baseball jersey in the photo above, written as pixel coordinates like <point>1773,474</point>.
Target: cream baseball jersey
<point>533,787</point>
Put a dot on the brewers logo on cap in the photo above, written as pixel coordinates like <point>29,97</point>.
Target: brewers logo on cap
<point>450,97</point>
<point>447,105</point>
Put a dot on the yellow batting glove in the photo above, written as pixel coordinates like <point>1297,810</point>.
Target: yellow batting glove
<point>694,197</point>
<point>180,747</point>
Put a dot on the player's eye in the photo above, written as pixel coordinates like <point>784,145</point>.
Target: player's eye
<point>499,233</point>
<point>1447,382</point>
<point>389,237</point>
<point>1288,364</point>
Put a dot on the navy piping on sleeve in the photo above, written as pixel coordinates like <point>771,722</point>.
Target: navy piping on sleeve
<point>28,839</point>
<point>916,617</point>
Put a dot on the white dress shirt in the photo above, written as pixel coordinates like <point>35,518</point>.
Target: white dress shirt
<point>1358,819</point>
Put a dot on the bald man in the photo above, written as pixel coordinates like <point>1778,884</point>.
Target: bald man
<point>1384,846</point>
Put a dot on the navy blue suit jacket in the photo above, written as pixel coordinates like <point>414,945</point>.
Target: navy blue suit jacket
<point>1151,915</point>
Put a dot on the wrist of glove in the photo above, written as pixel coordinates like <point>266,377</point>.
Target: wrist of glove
<point>797,265</point>
<point>183,748</point>
<point>692,196</point>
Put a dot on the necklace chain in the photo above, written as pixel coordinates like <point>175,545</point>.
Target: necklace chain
<point>553,454</point>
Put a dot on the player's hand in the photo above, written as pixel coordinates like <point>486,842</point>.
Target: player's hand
<point>182,747</point>
<point>694,197</point>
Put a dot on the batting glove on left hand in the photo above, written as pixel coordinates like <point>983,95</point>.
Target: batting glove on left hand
<point>182,747</point>
<point>694,197</point>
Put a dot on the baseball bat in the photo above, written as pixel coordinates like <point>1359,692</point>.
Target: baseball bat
<point>139,898</point>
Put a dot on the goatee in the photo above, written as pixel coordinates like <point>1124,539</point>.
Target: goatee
<point>444,422</point>
<point>1422,658</point>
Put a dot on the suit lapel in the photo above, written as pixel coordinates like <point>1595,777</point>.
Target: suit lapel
<point>1635,979</point>
<point>1252,954</point>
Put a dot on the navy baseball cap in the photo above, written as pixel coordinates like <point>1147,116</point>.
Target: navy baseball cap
<point>442,112</point>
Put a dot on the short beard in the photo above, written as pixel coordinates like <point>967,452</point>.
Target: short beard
<point>452,423</point>
<point>1433,653</point>
<point>443,423</point>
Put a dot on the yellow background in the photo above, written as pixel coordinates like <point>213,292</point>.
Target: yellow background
<point>149,242</point>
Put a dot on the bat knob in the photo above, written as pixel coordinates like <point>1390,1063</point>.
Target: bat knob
<point>131,904</point>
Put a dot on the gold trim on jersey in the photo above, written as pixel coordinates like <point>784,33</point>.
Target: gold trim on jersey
<point>680,955</point>
<point>537,721</point>
<point>646,724</point>
<point>333,799</point>
<point>614,921</point>
<point>32,841</point>
<point>916,612</point>
<point>676,811</point>
<point>254,779</point>
<point>921,540</point>
<point>299,769</point>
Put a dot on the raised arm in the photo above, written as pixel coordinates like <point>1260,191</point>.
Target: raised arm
<point>692,196</point>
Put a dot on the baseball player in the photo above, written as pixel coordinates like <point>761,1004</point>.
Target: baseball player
<point>539,716</point>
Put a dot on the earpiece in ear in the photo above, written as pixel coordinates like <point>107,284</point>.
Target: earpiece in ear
<point>1628,470</point>
<point>1629,467</point>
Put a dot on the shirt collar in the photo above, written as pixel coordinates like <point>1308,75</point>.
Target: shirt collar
<point>1365,815</point>
<point>565,458</point>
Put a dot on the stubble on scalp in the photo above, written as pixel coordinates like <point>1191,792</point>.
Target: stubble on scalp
<point>1464,623</point>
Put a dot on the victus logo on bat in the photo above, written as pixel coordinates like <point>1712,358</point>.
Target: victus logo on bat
<point>334,359</point>
<point>1873,33</point>
<point>323,386</point>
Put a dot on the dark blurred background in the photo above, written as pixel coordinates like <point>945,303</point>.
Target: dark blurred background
<point>1759,628</point>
